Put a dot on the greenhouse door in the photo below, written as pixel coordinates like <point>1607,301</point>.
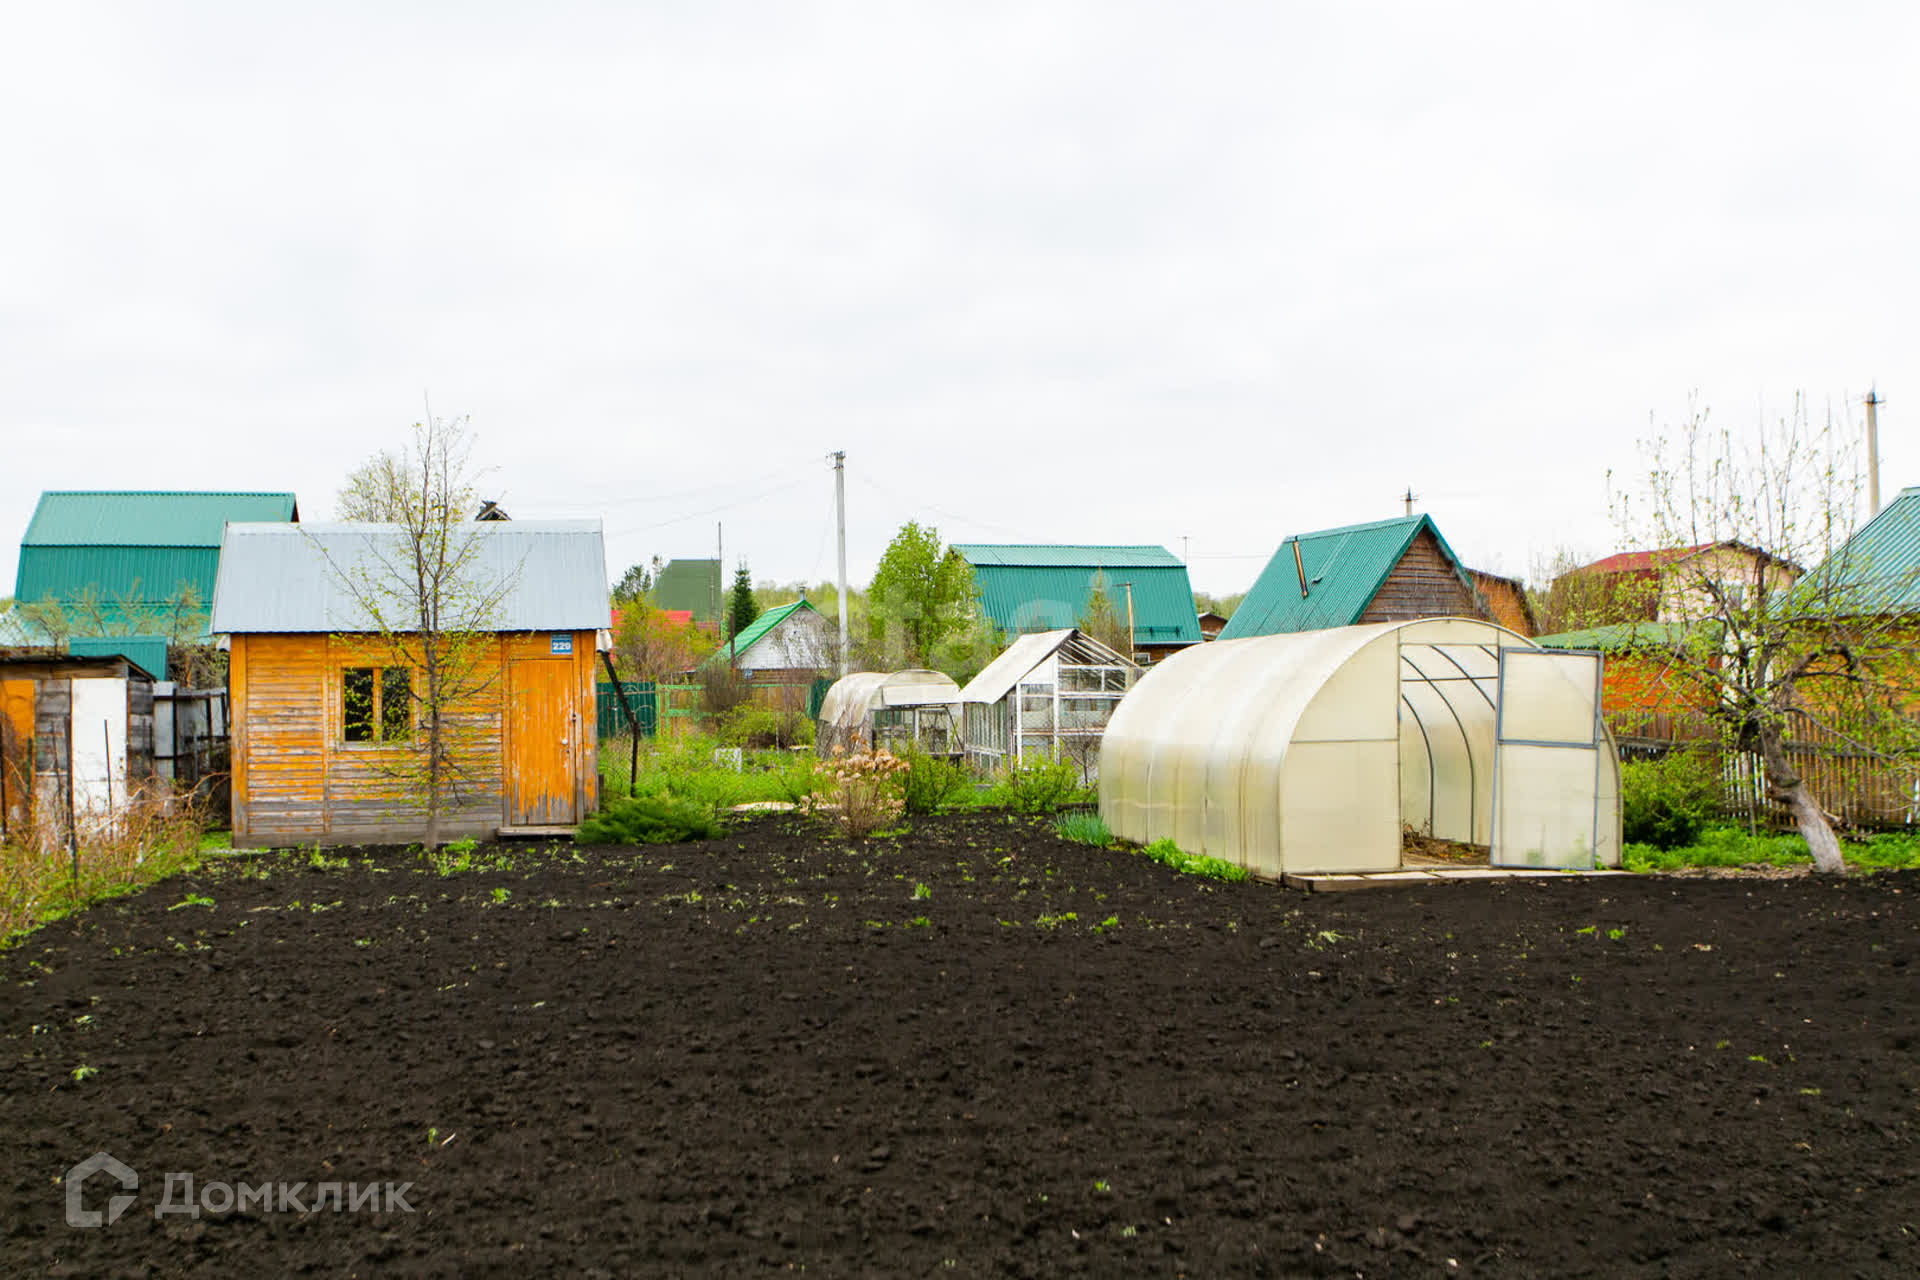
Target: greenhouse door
<point>1546,759</point>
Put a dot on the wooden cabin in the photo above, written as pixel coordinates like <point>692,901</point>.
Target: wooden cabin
<point>76,741</point>
<point>1387,571</point>
<point>326,707</point>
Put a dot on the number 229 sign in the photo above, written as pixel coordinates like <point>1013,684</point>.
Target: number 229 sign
<point>560,644</point>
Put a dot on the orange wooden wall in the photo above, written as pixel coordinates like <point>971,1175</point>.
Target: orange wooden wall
<point>296,779</point>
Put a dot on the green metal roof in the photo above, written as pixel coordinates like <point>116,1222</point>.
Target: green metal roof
<point>138,547</point>
<point>103,519</point>
<point>149,653</point>
<point>1344,568</point>
<point>690,585</point>
<point>1030,588</point>
<point>758,628</point>
<point>1881,561</point>
<point>1622,637</point>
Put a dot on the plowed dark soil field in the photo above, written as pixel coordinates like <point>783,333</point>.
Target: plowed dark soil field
<point>972,1050</point>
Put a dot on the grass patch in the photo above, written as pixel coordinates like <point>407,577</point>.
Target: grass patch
<point>1083,828</point>
<point>147,842</point>
<point>1730,846</point>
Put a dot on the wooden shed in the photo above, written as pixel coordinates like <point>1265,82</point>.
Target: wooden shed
<point>76,741</point>
<point>325,706</point>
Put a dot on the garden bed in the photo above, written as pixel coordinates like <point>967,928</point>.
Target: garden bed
<point>975,1049</point>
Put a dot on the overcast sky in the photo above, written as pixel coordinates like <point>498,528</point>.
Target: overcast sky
<point>1197,274</point>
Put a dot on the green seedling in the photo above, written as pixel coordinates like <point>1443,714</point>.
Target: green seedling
<point>84,1072</point>
<point>192,900</point>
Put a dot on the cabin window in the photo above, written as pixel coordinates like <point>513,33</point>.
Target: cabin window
<point>376,704</point>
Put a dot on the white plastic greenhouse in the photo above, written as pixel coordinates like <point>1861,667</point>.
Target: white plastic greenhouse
<point>891,709</point>
<point>1313,751</point>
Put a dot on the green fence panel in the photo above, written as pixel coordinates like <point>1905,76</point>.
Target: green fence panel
<point>610,719</point>
<point>817,694</point>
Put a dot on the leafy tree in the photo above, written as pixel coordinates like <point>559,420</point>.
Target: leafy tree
<point>923,595</point>
<point>1565,596</point>
<point>637,582</point>
<point>1834,648</point>
<point>741,609</point>
<point>1104,618</point>
<point>1222,605</point>
<point>649,645</point>
<point>432,612</point>
<point>377,490</point>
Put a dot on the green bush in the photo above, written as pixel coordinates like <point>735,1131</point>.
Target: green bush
<point>1038,786</point>
<point>648,820</point>
<point>931,782</point>
<point>1667,802</point>
<point>1083,828</point>
<point>758,728</point>
<point>1167,853</point>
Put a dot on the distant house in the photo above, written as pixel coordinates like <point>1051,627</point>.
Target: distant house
<point>126,563</point>
<point>785,647</point>
<point>1387,571</point>
<point>692,587</point>
<point>1506,600</point>
<point>1640,586</point>
<point>1211,624</point>
<point>324,716</point>
<point>1047,696</point>
<point>1027,588</point>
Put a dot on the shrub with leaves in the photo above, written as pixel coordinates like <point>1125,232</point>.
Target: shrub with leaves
<point>1169,854</point>
<point>649,820</point>
<point>1667,802</point>
<point>1042,785</point>
<point>864,790</point>
<point>931,782</point>
<point>756,728</point>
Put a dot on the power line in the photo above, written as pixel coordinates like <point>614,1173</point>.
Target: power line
<point>734,505</point>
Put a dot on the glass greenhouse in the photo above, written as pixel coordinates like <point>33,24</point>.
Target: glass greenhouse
<point>891,709</point>
<point>1318,750</point>
<point>1047,694</point>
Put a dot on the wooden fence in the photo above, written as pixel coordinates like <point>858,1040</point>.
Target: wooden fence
<point>1861,788</point>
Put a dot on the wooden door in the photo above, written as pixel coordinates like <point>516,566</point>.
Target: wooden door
<point>16,752</point>
<point>542,783</point>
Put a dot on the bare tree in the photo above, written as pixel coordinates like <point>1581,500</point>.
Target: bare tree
<point>433,610</point>
<point>1833,648</point>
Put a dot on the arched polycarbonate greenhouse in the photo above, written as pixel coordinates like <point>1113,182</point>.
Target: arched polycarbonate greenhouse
<point>892,709</point>
<point>1316,751</point>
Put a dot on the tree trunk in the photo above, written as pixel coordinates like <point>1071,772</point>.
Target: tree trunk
<point>1822,843</point>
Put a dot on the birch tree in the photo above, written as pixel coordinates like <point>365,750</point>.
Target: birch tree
<point>1739,517</point>
<point>433,610</point>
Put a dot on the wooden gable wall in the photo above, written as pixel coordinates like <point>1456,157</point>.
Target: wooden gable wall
<point>1424,584</point>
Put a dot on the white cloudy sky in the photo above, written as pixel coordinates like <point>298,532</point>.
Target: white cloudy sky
<point>1200,274</point>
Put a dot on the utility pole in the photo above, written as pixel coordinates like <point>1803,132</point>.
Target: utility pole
<point>720,627</point>
<point>839,457</point>
<point>1873,452</point>
<point>1129,587</point>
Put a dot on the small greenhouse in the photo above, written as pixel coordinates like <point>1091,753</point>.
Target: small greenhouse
<point>891,709</point>
<point>1049,694</point>
<point>1316,750</point>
